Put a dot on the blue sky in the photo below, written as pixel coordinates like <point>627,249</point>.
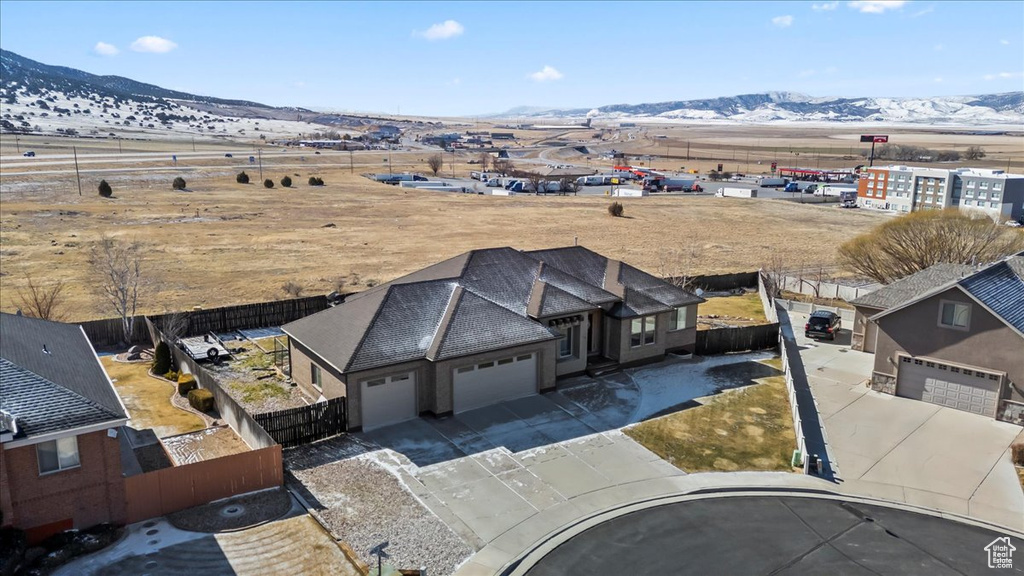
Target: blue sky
<point>470,58</point>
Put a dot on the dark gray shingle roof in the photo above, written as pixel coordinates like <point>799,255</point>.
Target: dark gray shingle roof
<point>911,287</point>
<point>1001,288</point>
<point>69,360</point>
<point>41,406</point>
<point>479,301</point>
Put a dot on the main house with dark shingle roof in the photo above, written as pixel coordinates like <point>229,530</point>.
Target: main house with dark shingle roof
<point>486,326</point>
<point>950,335</point>
<point>60,460</point>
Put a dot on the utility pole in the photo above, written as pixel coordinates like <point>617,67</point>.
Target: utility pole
<point>687,151</point>
<point>17,144</point>
<point>193,143</point>
<point>389,160</point>
<point>351,166</point>
<point>119,145</point>
<point>453,162</point>
<point>260,154</point>
<point>78,175</point>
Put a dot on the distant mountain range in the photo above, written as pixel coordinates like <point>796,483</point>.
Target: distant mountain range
<point>1006,108</point>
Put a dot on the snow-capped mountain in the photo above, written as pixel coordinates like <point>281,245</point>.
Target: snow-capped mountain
<point>1007,108</point>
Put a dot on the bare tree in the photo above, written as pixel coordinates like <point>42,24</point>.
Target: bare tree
<point>292,289</point>
<point>174,325</point>
<point>678,265</point>
<point>435,163</point>
<point>504,166</point>
<point>485,161</point>
<point>775,275</point>
<point>46,302</point>
<point>538,182</point>
<point>119,265</point>
<point>974,153</point>
<point>908,244</point>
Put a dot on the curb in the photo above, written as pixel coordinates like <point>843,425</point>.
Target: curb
<point>521,564</point>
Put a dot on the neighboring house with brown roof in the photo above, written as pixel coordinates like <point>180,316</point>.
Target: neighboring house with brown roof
<point>485,326</point>
<point>60,460</point>
<point>951,336</point>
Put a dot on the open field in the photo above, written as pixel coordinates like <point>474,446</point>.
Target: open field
<point>225,243</point>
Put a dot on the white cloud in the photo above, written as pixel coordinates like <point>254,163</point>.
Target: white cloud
<point>154,44</point>
<point>927,10</point>
<point>1004,76</point>
<point>783,21</point>
<point>104,49</point>
<point>1004,42</point>
<point>546,74</point>
<point>806,73</point>
<point>825,7</point>
<point>443,31</point>
<point>876,6</point>
<point>938,79</point>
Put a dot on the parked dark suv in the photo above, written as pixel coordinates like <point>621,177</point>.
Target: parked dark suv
<point>823,324</point>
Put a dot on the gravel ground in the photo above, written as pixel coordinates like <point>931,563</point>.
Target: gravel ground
<point>365,504</point>
<point>250,378</point>
<point>234,513</point>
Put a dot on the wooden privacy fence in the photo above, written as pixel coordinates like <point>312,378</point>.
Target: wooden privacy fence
<point>108,331</point>
<point>168,490</point>
<point>738,339</point>
<point>305,424</point>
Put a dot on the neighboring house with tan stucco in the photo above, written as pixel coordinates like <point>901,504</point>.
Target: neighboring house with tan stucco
<point>483,327</point>
<point>950,335</point>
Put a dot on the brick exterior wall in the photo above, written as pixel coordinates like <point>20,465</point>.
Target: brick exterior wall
<point>87,495</point>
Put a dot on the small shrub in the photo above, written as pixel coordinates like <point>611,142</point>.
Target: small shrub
<point>268,183</point>
<point>286,182</point>
<point>1018,454</point>
<point>242,178</point>
<point>315,181</point>
<point>179,183</point>
<point>201,399</point>
<point>292,289</point>
<point>105,189</point>
<point>161,358</point>
<point>186,383</point>
<point>171,375</point>
<point>616,209</point>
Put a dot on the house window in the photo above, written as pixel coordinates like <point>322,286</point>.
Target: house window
<point>677,319</point>
<point>997,186</point>
<point>983,185</point>
<point>565,343</point>
<point>316,377</point>
<point>57,455</point>
<point>376,382</point>
<point>642,331</point>
<point>954,315</point>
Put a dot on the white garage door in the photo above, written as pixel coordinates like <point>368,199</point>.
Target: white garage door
<point>388,400</point>
<point>477,385</point>
<point>974,391</point>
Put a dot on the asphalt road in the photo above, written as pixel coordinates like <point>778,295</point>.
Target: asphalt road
<point>775,535</point>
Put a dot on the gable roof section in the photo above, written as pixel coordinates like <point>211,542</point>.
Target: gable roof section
<point>577,261</point>
<point>335,333</point>
<point>1001,289</point>
<point>69,361</point>
<point>910,287</point>
<point>43,407</point>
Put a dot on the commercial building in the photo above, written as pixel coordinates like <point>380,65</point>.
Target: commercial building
<point>994,193</point>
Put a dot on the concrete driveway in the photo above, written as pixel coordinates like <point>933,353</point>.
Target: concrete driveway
<point>487,470</point>
<point>907,450</point>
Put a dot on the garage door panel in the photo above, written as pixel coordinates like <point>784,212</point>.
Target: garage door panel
<point>388,400</point>
<point>972,391</point>
<point>483,384</point>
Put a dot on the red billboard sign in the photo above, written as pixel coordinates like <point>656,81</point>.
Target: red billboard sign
<point>874,138</point>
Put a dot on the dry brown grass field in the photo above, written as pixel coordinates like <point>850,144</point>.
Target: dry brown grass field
<point>222,243</point>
